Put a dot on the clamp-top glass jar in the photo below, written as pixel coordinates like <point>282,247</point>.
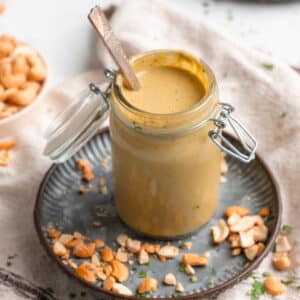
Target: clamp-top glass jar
<point>166,166</point>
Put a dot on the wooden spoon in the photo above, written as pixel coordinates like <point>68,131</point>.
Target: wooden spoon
<point>103,28</point>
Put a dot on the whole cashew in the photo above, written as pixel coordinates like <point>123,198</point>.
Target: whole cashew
<point>7,45</point>
<point>7,78</point>
<point>19,64</point>
<point>38,69</point>
<point>26,94</point>
<point>5,94</point>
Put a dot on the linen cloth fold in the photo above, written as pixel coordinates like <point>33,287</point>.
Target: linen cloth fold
<point>267,100</point>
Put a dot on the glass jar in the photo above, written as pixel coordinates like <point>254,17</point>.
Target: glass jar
<point>166,167</point>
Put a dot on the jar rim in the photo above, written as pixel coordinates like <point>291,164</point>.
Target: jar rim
<point>194,108</point>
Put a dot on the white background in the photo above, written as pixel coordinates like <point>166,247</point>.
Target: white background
<point>60,31</point>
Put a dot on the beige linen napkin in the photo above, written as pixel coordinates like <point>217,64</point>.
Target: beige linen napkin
<point>266,100</point>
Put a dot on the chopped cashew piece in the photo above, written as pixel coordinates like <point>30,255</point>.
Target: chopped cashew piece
<point>95,260</point>
<point>179,288</point>
<point>260,233</point>
<point>107,254</point>
<point>121,239</point>
<point>143,257</point>
<point>151,248</point>
<point>243,224</point>
<point>283,244</point>
<point>168,251</point>
<point>247,238</point>
<point>108,283</point>
<point>281,261</point>
<point>240,210</point>
<point>251,252</point>
<point>107,270</point>
<point>99,243</point>
<point>85,272</point>
<point>187,245</point>
<point>100,274</point>
<point>5,158</point>
<point>234,239</point>
<point>193,259</point>
<point>122,255</point>
<point>121,289</point>
<point>233,219</point>
<point>53,233</point>
<point>189,270</point>
<point>119,271</point>
<point>274,287</point>
<point>65,239</point>
<point>133,246</point>
<point>84,250</point>
<point>236,251</point>
<point>170,279</point>
<point>220,232</point>
<point>264,212</point>
<point>148,285</point>
<point>59,249</point>
<point>261,248</point>
<point>86,169</point>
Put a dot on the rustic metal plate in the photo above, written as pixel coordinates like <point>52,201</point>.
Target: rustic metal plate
<point>59,202</point>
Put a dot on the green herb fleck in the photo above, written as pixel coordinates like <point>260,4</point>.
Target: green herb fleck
<point>288,281</point>
<point>12,256</point>
<point>143,295</point>
<point>266,274</point>
<point>181,268</point>
<point>174,295</point>
<point>268,66</point>
<point>194,278</point>
<point>286,229</point>
<point>268,219</point>
<point>257,290</point>
<point>143,274</point>
<point>213,271</point>
<point>181,246</point>
<point>283,114</point>
<point>72,295</point>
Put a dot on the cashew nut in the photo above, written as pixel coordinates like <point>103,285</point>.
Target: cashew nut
<point>170,279</point>
<point>247,238</point>
<point>19,64</point>
<point>7,45</point>
<point>8,78</point>
<point>121,289</point>
<point>38,71</point>
<point>240,210</point>
<point>26,94</point>
<point>260,233</point>
<point>220,232</point>
<point>121,239</point>
<point>194,259</point>
<point>251,252</point>
<point>143,257</point>
<point>283,244</point>
<point>274,287</point>
<point>281,260</point>
<point>179,287</point>
<point>243,224</point>
<point>233,219</point>
<point>133,246</point>
<point>5,94</point>
<point>168,251</point>
<point>148,285</point>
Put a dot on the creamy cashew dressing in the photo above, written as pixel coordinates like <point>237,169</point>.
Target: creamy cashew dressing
<point>165,89</point>
<point>165,185</point>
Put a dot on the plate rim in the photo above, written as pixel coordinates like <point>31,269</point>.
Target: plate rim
<point>198,295</point>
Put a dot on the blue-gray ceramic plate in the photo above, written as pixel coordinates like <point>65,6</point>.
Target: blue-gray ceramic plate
<point>59,202</point>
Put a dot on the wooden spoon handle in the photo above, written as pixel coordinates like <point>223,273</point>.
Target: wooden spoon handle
<point>102,26</point>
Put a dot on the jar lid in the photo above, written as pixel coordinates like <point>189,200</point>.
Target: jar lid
<point>77,123</point>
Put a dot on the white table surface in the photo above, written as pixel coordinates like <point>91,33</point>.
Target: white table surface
<point>60,31</point>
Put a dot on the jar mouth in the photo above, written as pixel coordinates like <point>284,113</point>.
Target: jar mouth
<point>211,83</point>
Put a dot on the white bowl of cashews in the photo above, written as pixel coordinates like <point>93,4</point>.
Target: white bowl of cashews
<point>23,74</point>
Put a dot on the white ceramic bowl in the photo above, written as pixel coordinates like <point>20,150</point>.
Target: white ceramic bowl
<point>19,121</point>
